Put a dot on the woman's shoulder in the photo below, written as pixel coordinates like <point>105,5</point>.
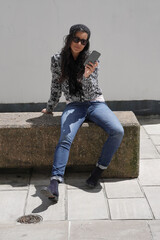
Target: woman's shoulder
<point>56,58</point>
<point>56,63</point>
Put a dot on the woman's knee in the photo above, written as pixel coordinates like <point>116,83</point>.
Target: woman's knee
<point>65,142</point>
<point>120,131</point>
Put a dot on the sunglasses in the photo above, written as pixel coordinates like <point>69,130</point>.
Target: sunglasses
<point>77,40</point>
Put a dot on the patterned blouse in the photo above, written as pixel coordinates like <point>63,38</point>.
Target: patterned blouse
<point>90,86</point>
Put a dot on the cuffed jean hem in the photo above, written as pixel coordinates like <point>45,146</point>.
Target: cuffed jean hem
<point>101,167</point>
<point>58,178</point>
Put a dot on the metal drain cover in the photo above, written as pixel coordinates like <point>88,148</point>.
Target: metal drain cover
<point>27,219</point>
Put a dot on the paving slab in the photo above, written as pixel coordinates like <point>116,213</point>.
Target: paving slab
<point>109,230</point>
<point>78,181</point>
<point>143,133</point>
<point>45,230</point>
<point>89,204</point>
<point>39,204</point>
<point>147,149</point>
<point>158,148</point>
<point>40,179</point>
<point>153,128</point>
<point>129,208</point>
<point>155,139</point>
<point>155,229</point>
<point>122,188</point>
<point>12,205</point>
<point>153,196</point>
<point>14,181</point>
<point>149,172</point>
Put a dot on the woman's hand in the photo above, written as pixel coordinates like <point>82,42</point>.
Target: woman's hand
<point>90,69</point>
<point>44,110</point>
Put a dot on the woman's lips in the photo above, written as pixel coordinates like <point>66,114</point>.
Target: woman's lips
<point>77,48</point>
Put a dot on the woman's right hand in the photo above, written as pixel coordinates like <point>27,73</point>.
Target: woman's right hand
<point>44,110</point>
<point>89,69</point>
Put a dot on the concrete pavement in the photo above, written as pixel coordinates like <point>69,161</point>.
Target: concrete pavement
<point>117,209</point>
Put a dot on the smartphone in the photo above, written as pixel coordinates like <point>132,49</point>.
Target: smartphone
<point>93,57</point>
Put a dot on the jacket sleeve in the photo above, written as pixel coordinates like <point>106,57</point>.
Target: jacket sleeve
<point>56,89</point>
<point>89,85</point>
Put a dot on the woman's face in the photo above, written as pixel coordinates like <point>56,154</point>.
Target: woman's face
<point>77,47</point>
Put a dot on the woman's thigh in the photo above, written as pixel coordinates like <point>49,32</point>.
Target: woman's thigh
<point>103,116</point>
<point>72,118</point>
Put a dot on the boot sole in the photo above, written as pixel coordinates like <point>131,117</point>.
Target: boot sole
<point>45,191</point>
<point>90,185</point>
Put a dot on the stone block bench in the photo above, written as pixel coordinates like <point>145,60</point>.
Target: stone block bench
<point>28,140</point>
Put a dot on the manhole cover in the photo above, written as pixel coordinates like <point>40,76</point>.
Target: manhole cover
<point>26,219</point>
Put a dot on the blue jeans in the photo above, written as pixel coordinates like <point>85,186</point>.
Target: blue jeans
<point>72,118</point>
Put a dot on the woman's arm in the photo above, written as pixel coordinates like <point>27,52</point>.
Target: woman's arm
<point>90,84</point>
<point>56,90</point>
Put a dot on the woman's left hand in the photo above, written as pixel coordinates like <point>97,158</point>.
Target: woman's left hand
<point>90,69</point>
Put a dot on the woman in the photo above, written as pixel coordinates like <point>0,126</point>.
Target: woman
<point>84,101</point>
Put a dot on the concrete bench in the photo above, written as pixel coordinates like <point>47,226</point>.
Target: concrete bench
<point>28,140</point>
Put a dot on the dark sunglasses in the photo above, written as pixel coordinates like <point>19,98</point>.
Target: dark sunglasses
<point>77,40</point>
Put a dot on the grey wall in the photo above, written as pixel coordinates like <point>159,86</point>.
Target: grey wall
<point>126,32</point>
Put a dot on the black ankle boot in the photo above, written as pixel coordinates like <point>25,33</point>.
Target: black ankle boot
<point>95,176</point>
<point>51,191</point>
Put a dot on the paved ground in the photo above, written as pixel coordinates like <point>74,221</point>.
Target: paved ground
<point>116,210</point>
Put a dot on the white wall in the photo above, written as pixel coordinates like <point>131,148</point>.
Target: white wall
<point>126,32</point>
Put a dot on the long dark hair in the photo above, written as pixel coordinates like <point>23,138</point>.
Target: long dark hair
<point>73,70</point>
